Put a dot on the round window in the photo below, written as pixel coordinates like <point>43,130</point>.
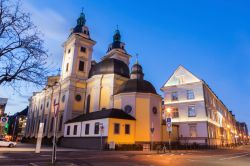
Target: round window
<point>63,98</point>
<point>78,97</point>
<point>128,109</point>
<point>154,110</point>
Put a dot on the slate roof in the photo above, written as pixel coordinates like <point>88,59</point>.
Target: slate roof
<point>107,113</point>
<point>110,66</point>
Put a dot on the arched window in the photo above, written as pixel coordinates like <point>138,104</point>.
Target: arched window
<point>60,123</point>
<point>52,124</point>
<point>88,104</point>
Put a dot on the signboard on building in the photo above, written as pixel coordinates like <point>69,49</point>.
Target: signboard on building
<point>169,124</point>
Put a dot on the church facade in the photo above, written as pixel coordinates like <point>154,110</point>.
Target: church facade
<point>95,100</point>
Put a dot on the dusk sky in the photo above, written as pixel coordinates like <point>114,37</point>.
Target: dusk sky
<point>211,39</point>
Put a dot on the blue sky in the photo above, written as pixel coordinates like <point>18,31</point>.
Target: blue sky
<point>210,38</point>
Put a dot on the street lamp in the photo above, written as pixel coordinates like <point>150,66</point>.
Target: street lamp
<point>169,125</point>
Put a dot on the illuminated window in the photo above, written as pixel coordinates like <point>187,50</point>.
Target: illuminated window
<point>81,66</point>
<point>190,94</point>
<point>191,111</point>
<point>75,130</point>
<point>87,129</point>
<point>193,131</point>
<point>174,96</point>
<point>96,128</point>
<point>127,129</point>
<point>68,130</point>
<point>175,113</point>
<point>116,128</point>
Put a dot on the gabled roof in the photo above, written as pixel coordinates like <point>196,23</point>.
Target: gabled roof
<point>107,113</point>
<point>181,75</point>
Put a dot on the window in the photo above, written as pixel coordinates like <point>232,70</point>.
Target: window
<point>127,129</point>
<point>88,104</point>
<point>47,104</point>
<point>60,123</point>
<point>175,113</point>
<point>44,127</point>
<point>68,51</point>
<point>81,66</point>
<point>128,109</point>
<point>193,131</point>
<point>78,97</point>
<point>116,128</point>
<point>67,67</point>
<point>191,111</point>
<point>83,49</point>
<point>87,129</point>
<point>75,130</point>
<point>68,130</point>
<point>52,124</point>
<point>174,96</point>
<point>154,110</point>
<point>190,94</point>
<point>63,98</point>
<point>96,128</point>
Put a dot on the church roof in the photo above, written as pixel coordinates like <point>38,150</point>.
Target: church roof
<point>106,113</point>
<point>110,66</point>
<point>137,85</point>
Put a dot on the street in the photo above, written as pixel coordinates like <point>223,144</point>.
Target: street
<point>24,155</point>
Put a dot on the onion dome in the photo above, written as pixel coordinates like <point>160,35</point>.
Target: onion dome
<point>116,44</point>
<point>80,26</point>
<point>110,66</point>
<point>136,83</point>
<point>136,72</point>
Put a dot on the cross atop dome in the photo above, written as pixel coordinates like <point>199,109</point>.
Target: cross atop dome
<point>81,19</point>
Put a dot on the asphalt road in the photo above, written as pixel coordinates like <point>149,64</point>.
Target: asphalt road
<point>225,157</point>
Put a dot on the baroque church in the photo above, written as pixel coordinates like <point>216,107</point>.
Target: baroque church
<point>93,101</point>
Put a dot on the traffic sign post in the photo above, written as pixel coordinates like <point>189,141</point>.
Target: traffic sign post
<point>102,130</point>
<point>169,130</point>
<point>152,129</point>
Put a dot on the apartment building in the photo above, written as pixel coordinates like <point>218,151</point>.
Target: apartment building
<point>201,117</point>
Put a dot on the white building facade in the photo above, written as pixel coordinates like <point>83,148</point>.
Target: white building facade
<point>197,112</point>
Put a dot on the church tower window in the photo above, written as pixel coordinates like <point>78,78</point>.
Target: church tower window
<point>67,67</point>
<point>81,66</point>
<point>83,49</point>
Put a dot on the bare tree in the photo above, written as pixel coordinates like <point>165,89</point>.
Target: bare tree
<point>22,54</point>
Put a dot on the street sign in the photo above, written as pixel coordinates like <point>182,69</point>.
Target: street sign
<point>169,124</point>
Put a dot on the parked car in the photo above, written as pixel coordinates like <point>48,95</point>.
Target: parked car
<point>10,144</point>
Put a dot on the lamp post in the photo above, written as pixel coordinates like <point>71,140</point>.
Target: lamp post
<point>169,127</point>
<point>56,110</point>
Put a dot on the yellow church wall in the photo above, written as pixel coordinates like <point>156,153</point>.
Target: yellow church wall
<point>105,97</point>
<point>92,94</point>
<point>142,120</point>
<point>121,138</point>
